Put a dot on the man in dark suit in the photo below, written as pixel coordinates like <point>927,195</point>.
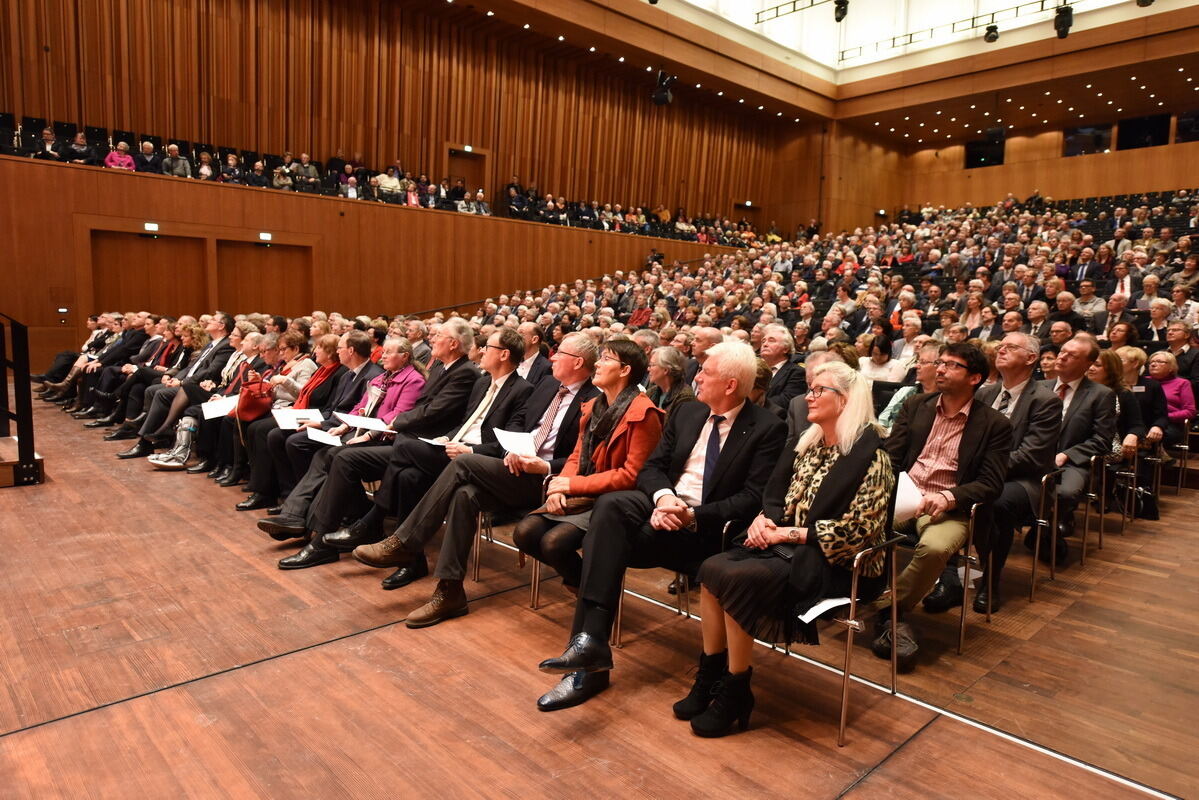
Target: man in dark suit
<point>1088,428</point>
<point>955,450</point>
<point>487,480</point>
<point>127,346</point>
<point>147,160</point>
<point>707,471</point>
<point>787,380</point>
<point>1035,413</point>
<point>1103,321</point>
<point>1123,283</point>
<point>534,366</point>
<point>196,381</point>
<point>405,468</point>
<point>1029,290</point>
<point>1038,320</point>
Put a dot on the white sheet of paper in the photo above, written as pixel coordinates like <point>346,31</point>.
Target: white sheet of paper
<point>432,442</point>
<point>907,498</point>
<point>219,407</point>
<point>824,605</point>
<point>324,437</point>
<point>289,419</point>
<point>359,421</point>
<point>517,443</point>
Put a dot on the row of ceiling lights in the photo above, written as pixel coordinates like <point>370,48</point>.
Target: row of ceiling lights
<point>1044,120</point>
<point>621,60</point>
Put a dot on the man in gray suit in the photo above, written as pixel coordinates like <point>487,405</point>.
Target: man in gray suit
<point>1036,416</point>
<point>1088,427</point>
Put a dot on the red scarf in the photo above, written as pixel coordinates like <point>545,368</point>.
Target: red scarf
<point>318,377</point>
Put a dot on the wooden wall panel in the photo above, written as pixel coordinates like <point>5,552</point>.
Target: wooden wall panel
<point>135,273</point>
<point>390,80</point>
<point>862,175</point>
<point>1035,162</point>
<point>365,257</point>
<point>273,279</point>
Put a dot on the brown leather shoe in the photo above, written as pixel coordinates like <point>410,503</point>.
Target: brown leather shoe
<point>448,601</point>
<point>387,553</point>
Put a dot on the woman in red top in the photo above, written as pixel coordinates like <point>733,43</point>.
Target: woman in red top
<point>618,431</point>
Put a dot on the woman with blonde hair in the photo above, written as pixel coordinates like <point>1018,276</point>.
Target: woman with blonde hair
<point>819,510</point>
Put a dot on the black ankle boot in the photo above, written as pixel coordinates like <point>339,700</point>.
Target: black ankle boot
<point>711,669</point>
<point>731,705</point>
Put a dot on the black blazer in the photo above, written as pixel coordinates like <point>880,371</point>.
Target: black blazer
<point>690,371</point>
<point>539,370</point>
<point>1036,422</point>
<point>507,409</point>
<point>746,461</point>
<point>125,349</point>
<point>322,396</point>
<point>349,391</point>
<point>982,454</point>
<point>1152,399</point>
<point>212,363</point>
<point>442,404</point>
<point>151,164</point>
<point>536,405</point>
<point>787,384</point>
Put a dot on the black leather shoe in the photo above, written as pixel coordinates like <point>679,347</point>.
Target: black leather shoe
<point>980,599</point>
<point>346,539</point>
<point>419,568</point>
<point>572,690</point>
<point>140,449</point>
<point>236,475</point>
<point>246,489</point>
<point>942,598</point>
<point>107,397</point>
<point>585,652</point>
<point>200,466</point>
<point>139,419</point>
<point>121,434</point>
<point>283,528</point>
<point>220,473</point>
<point>255,502</point>
<point>91,412</point>
<point>274,511</point>
<point>310,555</point>
<point>103,422</point>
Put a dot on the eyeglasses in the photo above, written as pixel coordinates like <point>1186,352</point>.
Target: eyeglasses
<point>1004,348</point>
<point>495,346</point>
<point>815,392</point>
<point>939,363</point>
<point>568,353</point>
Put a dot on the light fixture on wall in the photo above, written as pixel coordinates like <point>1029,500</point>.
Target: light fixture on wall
<point>840,9</point>
<point>661,95</point>
<point>1063,19</point>
<point>992,34</point>
<point>150,226</point>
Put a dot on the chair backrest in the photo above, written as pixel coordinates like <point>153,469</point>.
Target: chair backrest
<point>881,393</point>
<point>95,135</point>
<point>151,138</point>
<point>8,121</point>
<point>65,130</point>
<point>33,123</point>
<point>128,137</point>
<point>185,147</point>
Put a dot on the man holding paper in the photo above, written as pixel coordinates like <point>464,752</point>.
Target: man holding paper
<point>489,480</point>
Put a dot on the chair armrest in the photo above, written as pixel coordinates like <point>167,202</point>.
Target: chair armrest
<point>884,545</point>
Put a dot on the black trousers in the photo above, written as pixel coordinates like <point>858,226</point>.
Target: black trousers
<point>328,491</point>
<point>262,466</point>
<point>1011,511</point>
<point>61,366</point>
<point>413,467</point>
<point>620,537</point>
<point>468,485</point>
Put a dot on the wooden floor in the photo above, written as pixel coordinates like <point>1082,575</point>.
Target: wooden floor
<point>150,648</point>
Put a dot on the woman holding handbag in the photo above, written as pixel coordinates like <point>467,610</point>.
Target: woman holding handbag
<point>617,432</point>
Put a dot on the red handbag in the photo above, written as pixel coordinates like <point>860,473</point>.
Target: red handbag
<point>254,401</point>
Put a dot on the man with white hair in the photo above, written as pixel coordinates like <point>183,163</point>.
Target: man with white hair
<point>708,470</point>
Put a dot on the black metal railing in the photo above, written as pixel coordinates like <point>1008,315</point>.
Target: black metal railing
<point>14,357</point>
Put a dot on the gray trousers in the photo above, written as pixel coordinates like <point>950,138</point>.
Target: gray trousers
<point>470,484</point>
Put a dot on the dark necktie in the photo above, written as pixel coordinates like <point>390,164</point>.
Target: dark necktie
<point>712,455</point>
<point>203,354</point>
<point>1005,400</point>
<point>547,421</point>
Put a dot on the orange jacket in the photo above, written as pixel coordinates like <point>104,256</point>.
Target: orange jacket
<point>619,459</point>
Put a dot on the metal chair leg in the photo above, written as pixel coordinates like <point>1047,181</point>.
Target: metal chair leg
<point>535,586</point>
<point>477,554</point>
<point>614,640</point>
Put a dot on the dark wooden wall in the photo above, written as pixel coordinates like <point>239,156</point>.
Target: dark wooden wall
<point>74,238</point>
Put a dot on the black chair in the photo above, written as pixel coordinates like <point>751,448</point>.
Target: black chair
<point>271,161</point>
<point>185,147</point>
<point>128,137</point>
<point>881,392</point>
<point>151,138</point>
<point>248,157</point>
<point>8,121</point>
<point>225,152</point>
<point>34,124</point>
<point>65,130</point>
<point>96,136</point>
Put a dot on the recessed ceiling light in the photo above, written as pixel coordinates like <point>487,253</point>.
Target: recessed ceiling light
<point>1153,95</point>
<point>979,130</point>
<point>621,59</point>
<point>935,130</point>
<point>649,69</point>
<point>1088,86</point>
<point>921,124</point>
<point>1011,126</point>
<point>591,49</point>
<point>938,113</point>
<point>1047,94</point>
<point>561,38</point>
<point>741,100</point>
<point>906,135</point>
<point>761,107</point>
<point>986,113</point>
<point>892,130</point>
<point>720,94</point>
<point>1059,101</point>
<point>972,106</point>
<point>1080,116</point>
<point>1045,122</point>
<point>1071,108</point>
<point>491,13</point>
<point>917,141</point>
<point>1099,94</point>
<point>699,86</point>
<point>1009,100</point>
<point>1132,77</point>
<point>953,119</point>
<point>1021,108</point>
<point>1142,86</point>
<point>527,26</point>
<point>779,114</point>
<point>1118,110</point>
<point>905,119</point>
<point>876,124</point>
<point>1161,102</point>
<point>1109,102</point>
<point>797,119</point>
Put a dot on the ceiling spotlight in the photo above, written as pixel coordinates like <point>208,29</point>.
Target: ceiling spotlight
<point>1144,3</point>
<point>840,9</point>
<point>992,34</point>
<point>662,95</point>
<point>1063,19</point>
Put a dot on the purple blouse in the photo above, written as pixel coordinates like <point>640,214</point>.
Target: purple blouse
<point>1180,398</point>
<point>400,391</point>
